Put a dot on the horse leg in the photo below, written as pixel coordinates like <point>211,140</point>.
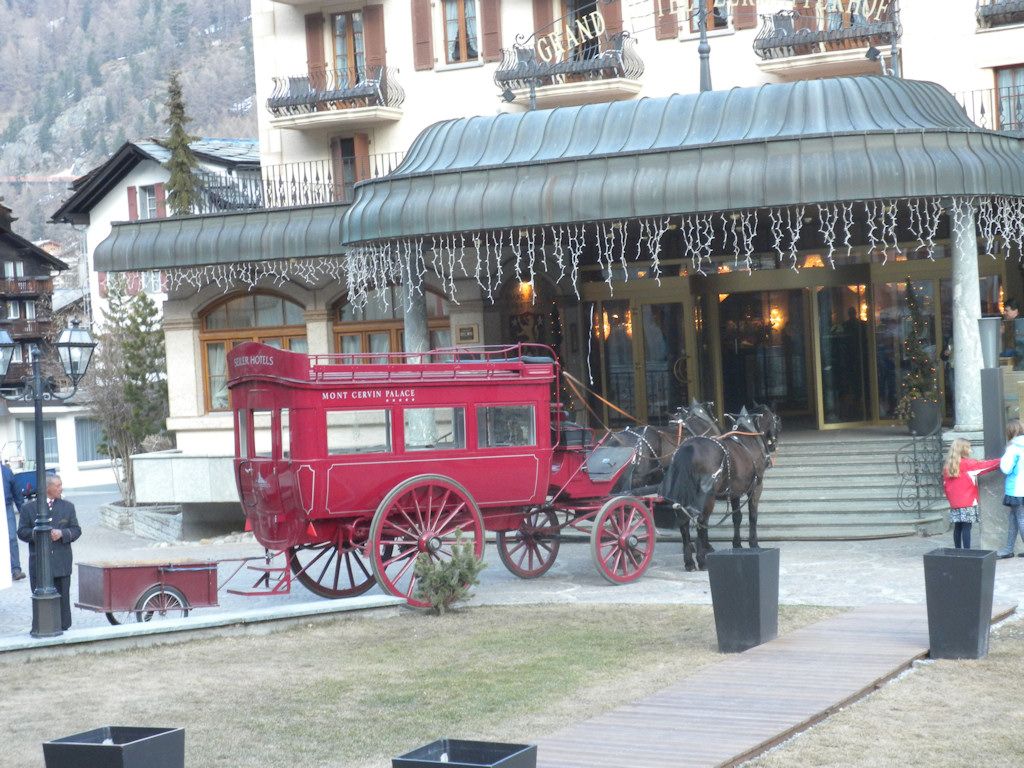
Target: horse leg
<point>752,501</point>
<point>703,541</point>
<point>684,529</point>
<point>737,518</point>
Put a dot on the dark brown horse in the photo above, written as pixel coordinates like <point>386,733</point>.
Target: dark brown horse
<point>728,466</point>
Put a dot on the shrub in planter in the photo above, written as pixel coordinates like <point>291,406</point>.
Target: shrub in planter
<point>444,582</point>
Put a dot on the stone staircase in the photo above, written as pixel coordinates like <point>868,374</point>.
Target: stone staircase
<point>838,485</point>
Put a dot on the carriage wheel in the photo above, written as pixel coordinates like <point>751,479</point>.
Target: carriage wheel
<point>531,550</point>
<point>622,539</point>
<point>420,515</point>
<point>331,569</point>
<point>120,617</point>
<point>161,602</point>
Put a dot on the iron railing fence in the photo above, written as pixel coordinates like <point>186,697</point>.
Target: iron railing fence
<point>313,182</point>
<point>999,13</point>
<point>325,88</point>
<point>998,109</point>
<point>613,56</point>
<point>823,27</point>
<point>919,464</point>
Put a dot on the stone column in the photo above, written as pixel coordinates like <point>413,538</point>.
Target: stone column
<point>967,360</point>
<point>318,331</point>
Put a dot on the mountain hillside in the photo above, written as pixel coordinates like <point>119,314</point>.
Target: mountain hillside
<point>83,76</point>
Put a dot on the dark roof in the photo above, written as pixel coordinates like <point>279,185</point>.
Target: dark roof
<point>222,239</point>
<point>90,188</point>
<point>19,244</point>
<point>806,142</point>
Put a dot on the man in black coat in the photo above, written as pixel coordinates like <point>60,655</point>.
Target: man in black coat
<point>65,530</point>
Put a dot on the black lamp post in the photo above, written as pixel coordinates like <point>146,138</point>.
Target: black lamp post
<point>703,47</point>
<point>74,347</point>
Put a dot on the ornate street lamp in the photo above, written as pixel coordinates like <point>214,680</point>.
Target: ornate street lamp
<point>74,347</point>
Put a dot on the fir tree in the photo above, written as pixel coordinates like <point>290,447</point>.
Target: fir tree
<point>183,187</point>
<point>919,380</point>
<point>128,385</point>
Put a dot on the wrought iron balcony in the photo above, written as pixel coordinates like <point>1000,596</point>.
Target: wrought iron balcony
<point>291,184</point>
<point>327,88</point>
<point>25,286</point>
<point>999,109</point>
<point>824,29</point>
<point>1000,13</point>
<point>614,57</point>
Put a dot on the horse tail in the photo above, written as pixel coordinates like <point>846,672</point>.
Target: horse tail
<point>685,485</point>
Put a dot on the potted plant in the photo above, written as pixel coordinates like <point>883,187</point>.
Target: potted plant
<point>919,391</point>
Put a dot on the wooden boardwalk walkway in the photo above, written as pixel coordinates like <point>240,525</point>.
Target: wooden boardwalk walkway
<point>733,710</point>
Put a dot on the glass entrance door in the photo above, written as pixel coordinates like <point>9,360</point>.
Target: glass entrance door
<point>843,354</point>
<point>666,378</point>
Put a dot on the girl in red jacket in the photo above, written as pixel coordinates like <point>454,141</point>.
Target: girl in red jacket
<point>960,478</point>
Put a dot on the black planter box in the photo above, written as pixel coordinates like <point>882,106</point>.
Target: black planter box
<point>958,584</point>
<point>745,595</point>
<point>469,754</point>
<point>129,748</point>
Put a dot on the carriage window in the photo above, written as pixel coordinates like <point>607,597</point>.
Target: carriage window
<point>505,425</point>
<point>434,428</point>
<point>358,432</point>
<point>286,440</point>
<point>243,434</point>
<point>262,440</point>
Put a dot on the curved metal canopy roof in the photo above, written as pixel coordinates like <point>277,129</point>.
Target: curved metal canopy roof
<point>807,142</point>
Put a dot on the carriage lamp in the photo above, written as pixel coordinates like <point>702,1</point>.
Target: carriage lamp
<point>74,348</point>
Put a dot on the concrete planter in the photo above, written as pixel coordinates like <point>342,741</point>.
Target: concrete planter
<point>745,596</point>
<point>455,753</point>
<point>157,522</point>
<point>959,585</point>
<point>118,747</point>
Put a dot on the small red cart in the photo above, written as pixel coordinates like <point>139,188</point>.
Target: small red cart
<point>144,591</point>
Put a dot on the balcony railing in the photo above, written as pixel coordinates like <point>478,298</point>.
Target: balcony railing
<point>25,286</point>
<point>326,88</point>
<point>999,109</point>
<point>20,327</point>
<point>591,60</point>
<point>292,184</point>
<point>999,13</point>
<point>823,29</point>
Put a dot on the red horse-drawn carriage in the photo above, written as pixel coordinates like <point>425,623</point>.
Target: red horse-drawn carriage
<point>354,465</point>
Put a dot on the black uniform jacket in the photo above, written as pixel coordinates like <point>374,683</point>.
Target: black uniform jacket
<point>63,517</point>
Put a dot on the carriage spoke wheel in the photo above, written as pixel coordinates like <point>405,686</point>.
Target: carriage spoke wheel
<point>420,516</point>
<point>161,602</point>
<point>531,550</point>
<point>331,569</point>
<point>622,539</point>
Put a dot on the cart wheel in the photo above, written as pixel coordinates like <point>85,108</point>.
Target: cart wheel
<point>420,515</point>
<point>622,539</point>
<point>331,569</point>
<point>161,602</point>
<point>120,617</point>
<point>531,550</point>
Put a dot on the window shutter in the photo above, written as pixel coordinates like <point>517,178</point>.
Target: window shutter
<point>745,15</point>
<point>361,148</point>
<point>422,35</point>
<point>134,283</point>
<point>316,63</point>
<point>133,204</point>
<point>490,12</point>
<point>101,278</point>
<point>612,13</point>
<point>373,35</point>
<point>667,24</point>
<point>543,17</point>
<point>161,202</point>
<point>338,169</point>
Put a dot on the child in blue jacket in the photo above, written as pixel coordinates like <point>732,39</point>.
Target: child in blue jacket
<point>1012,465</point>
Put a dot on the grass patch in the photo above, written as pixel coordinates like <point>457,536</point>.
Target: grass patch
<point>943,713</point>
<point>360,690</point>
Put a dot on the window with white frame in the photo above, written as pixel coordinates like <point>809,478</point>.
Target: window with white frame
<point>89,438</point>
<point>147,202</point>
<point>13,310</point>
<point>18,356</point>
<point>151,282</point>
<point>30,309</point>
<point>28,432</point>
<point>14,269</point>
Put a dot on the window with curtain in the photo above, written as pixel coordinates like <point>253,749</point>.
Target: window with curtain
<point>28,431</point>
<point>460,31</point>
<point>377,325</point>
<point>1010,98</point>
<point>264,317</point>
<point>88,437</point>
<point>717,14</point>
<point>349,50</point>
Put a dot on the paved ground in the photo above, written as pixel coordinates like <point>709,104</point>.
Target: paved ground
<point>812,573</point>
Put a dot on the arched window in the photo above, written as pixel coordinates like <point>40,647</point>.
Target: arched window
<point>264,317</point>
<point>379,327</point>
